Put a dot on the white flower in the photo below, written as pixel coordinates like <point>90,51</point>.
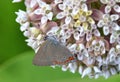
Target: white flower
<point>98,47</point>
<point>57,1</point>
<point>45,11</point>
<point>118,67</point>
<point>46,17</point>
<point>118,48</point>
<point>25,26</point>
<point>115,37</point>
<point>79,32</point>
<point>106,74</point>
<point>88,61</point>
<point>99,59</point>
<point>80,70</point>
<point>65,10</point>
<point>22,17</point>
<point>64,67</point>
<point>68,20</point>
<point>106,30</point>
<point>35,45</point>
<point>72,67</point>
<point>39,37</point>
<point>33,3</point>
<point>111,4</point>
<point>88,35</point>
<point>108,22</point>
<point>14,1</point>
<point>84,7</point>
<point>112,54</point>
<point>117,8</point>
<point>27,33</point>
<point>96,32</point>
<point>53,31</point>
<point>114,17</point>
<point>96,76</point>
<point>34,31</point>
<point>113,71</point>
<point>30,41</point>
<point>86,71</point>
<point>72,47</point>
<point>96,69</point>
<point>65,7</point>
<point>60,15</point>
<point>82,52</point>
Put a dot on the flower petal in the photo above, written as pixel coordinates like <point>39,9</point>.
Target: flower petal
<point>24,26</point>
<point>44,19</point>
<point>80,70</point>
<point>27,33</point>
<point>84,7</point>
<point>64,68</point>
<point>114,17</point>
<point>57,1</point>
<point>104,1</point>
<point>76,36</point>
<point>106,74</point>
<point>72,67</point>
<point>50,15</point>
<point>96,32</point>
<point>107,9</point>
<point>88,36</point>
<point>87,71</point>
<point>61,6</point>
<point>60,15</point>
<point>117,8</point>
<point>106,30</point>
<point>115,26</point>
<point>112,39</point>
<point>100,23</point>
<point>96,69</point>
<point>33,3</point>
<point>67,20</point>
<point>14,1</point>
<point>113,71</point>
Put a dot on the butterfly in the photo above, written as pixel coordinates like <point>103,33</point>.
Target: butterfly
<point>52,52</point>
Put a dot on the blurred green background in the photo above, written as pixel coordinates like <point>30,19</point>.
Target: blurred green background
<point>16,57</point>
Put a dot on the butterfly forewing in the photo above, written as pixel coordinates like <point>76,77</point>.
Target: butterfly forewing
<point>41,56</point>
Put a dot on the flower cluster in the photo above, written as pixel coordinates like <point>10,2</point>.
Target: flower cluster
<point>90,29</point>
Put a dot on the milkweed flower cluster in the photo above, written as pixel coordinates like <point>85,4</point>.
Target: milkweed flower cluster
<point>90,29</point>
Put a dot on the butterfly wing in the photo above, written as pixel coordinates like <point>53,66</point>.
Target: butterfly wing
<point>52,52</point>
<point>40,58</point>
<point>61,54</point>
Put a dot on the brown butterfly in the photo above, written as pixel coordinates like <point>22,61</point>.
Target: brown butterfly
<point>52,52</point>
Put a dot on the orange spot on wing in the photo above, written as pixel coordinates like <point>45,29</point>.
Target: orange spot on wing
<point>71,58</point>
<point>64,62</point>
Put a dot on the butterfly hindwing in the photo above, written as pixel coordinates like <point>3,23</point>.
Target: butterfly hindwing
<point>51,51</point>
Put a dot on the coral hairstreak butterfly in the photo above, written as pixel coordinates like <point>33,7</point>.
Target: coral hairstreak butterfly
<point>52,52</point>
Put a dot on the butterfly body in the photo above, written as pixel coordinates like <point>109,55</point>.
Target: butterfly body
<point>52,52</point>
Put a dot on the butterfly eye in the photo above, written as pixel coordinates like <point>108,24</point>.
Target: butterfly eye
<point>46,37</point>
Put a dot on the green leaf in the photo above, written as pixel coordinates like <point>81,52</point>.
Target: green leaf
<point>21,69</point>
<point>54,19</point>
<point>12,41</point>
